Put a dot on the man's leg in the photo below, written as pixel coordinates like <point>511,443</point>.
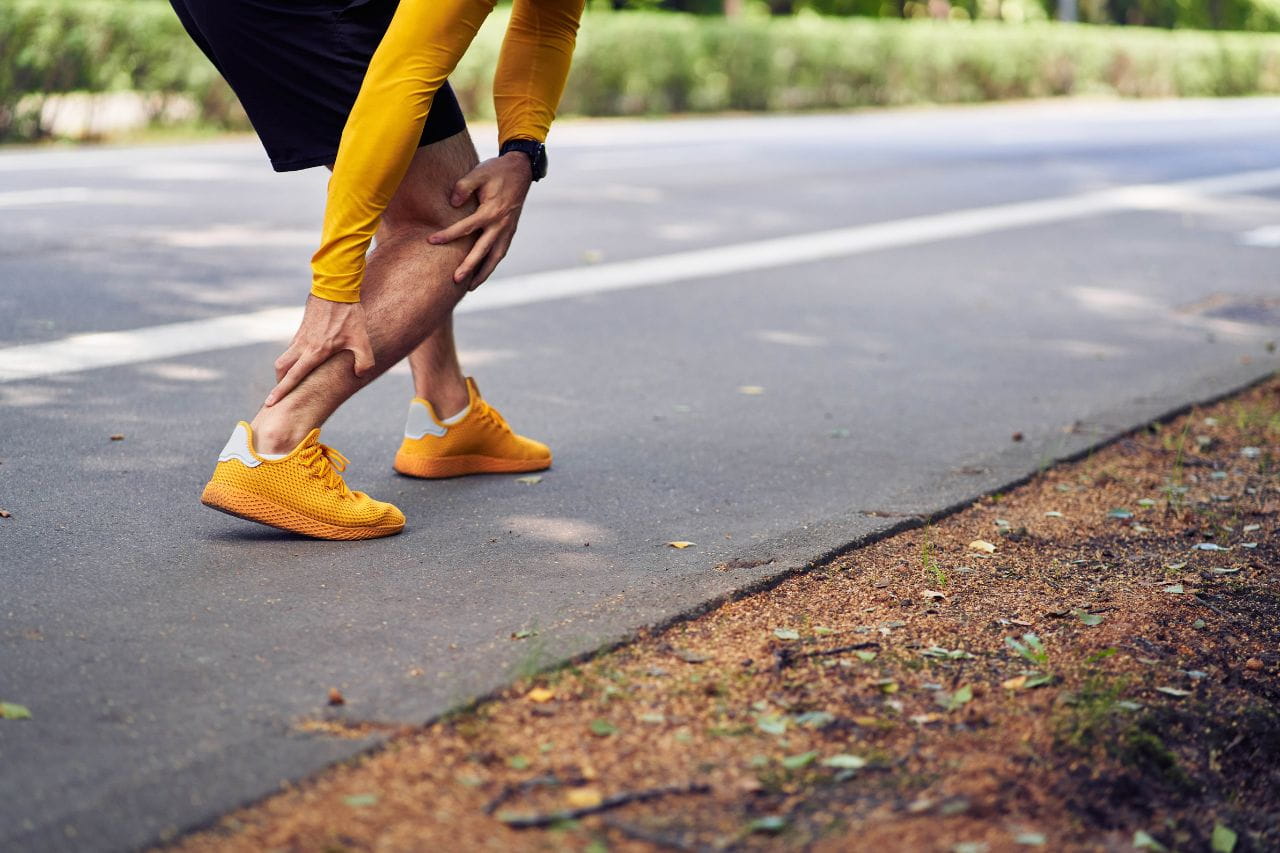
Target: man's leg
<point>408,293</point>
<point>437,375</point>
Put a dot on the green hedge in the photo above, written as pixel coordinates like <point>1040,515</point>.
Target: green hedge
<point>50,46</point>
<point>649,64</point>
<point>653,63</point>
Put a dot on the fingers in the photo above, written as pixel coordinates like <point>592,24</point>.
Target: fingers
<point>475,256</point>
<point>297,372</point>
<point>285,361</point>
<point>461,228</point>
<point>491,261</point>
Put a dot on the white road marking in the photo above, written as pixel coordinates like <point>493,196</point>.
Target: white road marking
<point>77,195</point>
<point>110,349</point>
<point>1266,237</point>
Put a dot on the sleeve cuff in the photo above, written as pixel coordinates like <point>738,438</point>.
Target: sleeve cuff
<point>335,294</point>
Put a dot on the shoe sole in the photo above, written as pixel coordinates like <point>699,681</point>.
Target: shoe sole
<point>442,467</point>
<point>253,508</point>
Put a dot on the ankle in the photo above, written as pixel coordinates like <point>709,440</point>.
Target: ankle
<point>446,398</point>
<point>273,434</point>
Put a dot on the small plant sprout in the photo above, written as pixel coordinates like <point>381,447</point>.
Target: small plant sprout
<point>928,561</point>
<point>1032,650</point>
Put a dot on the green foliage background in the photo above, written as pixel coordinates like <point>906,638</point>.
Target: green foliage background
<point>651,63</point>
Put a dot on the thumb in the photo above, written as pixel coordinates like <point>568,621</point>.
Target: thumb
<point>463,189</point>
<point>364,357</point>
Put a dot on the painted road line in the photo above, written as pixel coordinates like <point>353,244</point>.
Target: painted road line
<point>111,349</point>
<point>78,195</point>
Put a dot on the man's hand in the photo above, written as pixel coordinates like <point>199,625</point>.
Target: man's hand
<point>327,328</point>
<point>500,186</point>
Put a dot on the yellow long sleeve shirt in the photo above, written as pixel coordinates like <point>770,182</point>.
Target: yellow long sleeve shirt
<point>422,46</point>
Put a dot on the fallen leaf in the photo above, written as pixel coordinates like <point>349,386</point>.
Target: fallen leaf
<point>983,546</point>
<point>785,634</point>
<point>653,719</point>
<point>681,545</point>
<point>1120,513</point>
<point>522,634</point>
<point>1146,503</point>
<point>1253,665</point>
<point>518,762</point>
<point>357,801</point>
<point>1199,624</point>
<point>1174,691</point>
<point>933,593</point>
<point>953,701</point>
<point>814,719</point>
<point>583,798</point>
<point>1090,619</point>
<point>865,657</point>
<point>795,762</point>
<point>1030,839</point>
<point>1174,589</point>
<point>1207,546</point>
<point>772,724</point>
<point>1223,839</point>
<point>926,719</point>
<point>531,480</point>
<point>887,685</point>
<point>1053,513</point>
<point>751,390</point>
<point>867,722</point>
<point>844,761</point>
<point>768,823</point>
<point>1016,683</point>
<point>336,697</point>
<point>969,847</point>
<point>540,694</point>
<point>10,711</point>
<point>603,728</point>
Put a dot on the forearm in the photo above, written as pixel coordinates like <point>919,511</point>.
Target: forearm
<point>534,65</point>
<point>422,46</point>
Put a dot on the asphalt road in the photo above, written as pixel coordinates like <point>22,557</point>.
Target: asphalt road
<point>901,292</point>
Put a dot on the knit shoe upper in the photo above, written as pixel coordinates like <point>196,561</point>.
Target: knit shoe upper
<point>303,492</point>
<point>481,443</point>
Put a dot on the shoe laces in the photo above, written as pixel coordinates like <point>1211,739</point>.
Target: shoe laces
<point>495,417</point>
<point>326,464</point>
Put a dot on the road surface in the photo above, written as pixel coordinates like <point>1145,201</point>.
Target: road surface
<point>772,337</point>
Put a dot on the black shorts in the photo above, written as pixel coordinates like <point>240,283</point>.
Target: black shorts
<point>297,66</point>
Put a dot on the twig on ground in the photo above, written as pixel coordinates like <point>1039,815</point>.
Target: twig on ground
<point>653,836</point>
<point>510,791</point>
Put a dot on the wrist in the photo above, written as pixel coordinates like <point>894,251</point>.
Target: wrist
<point>532,150</point>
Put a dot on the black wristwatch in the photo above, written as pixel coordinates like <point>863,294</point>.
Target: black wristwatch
<point>536,151</point>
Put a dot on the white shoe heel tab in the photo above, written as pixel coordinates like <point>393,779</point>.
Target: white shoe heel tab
<point>420,422</point>
<point>237,447</point>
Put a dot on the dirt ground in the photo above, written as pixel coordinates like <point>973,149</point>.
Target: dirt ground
<point>1089,662</point>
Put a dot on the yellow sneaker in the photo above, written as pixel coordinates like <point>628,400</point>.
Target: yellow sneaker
<point>479,443</point>
<point>302,492</point>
